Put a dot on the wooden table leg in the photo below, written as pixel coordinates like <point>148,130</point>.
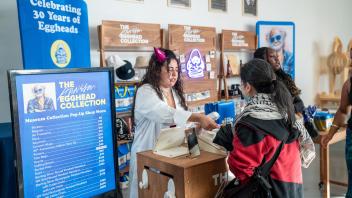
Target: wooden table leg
<point>324,170</point>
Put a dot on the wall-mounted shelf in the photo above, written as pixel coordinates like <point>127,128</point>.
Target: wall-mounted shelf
<point>126,83</point>
<point>229,76</point>
<point>123,114</point>
<point>187,41</point>
<point>131,49</point>
<point>234,97</point>
<point>241,50</point>
<point>120,142</point>
<point>125,170</point>
<point>114,37</point>
<point>198,103</point>
<point>328,100</point>
<point>235,42</point>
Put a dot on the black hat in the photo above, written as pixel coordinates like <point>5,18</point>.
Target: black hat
<point>123,69</point>
<point>125,72</point>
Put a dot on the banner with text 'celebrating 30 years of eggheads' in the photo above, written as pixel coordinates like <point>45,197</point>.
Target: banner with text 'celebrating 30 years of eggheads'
<point>54,33</point>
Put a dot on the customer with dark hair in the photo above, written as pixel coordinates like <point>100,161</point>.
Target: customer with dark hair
<point>270,55</point>
<point>303,123</point>
<point>266,121</point>
<point>159,103</point>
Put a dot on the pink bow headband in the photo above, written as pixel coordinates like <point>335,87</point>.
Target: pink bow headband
<point>160,55</point>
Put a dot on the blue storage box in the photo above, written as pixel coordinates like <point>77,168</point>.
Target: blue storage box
<point>323,120</point>
<point>124,97</point>
<point>122,156</point>
<point>226,110</point>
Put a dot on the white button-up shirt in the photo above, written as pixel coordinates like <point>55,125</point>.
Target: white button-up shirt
<point>151,115</point>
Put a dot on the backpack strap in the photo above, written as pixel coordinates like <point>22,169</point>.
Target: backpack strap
<point>265,168</point>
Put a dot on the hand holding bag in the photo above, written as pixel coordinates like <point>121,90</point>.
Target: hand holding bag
<point>306,144</point>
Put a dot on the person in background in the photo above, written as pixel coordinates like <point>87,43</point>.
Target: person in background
<point>159,103</point>
<point>40,102</point>
<point>303,123</point>
<point>339,121</point>
<point>265,122</point>
<point>271,56</point>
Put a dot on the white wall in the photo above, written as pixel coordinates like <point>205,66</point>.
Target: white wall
<point>317,22</point>
<point>10,52</point>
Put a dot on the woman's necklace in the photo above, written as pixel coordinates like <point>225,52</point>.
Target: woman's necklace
<point>168,96</point>
<point>166,92</point>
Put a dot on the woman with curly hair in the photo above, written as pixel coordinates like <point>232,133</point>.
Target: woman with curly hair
<point>159,103</point>
<point>270,55</point>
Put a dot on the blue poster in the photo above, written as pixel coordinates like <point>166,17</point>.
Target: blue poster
<point>66,138</point>
<point>279,36</point>
<point>54,33</point>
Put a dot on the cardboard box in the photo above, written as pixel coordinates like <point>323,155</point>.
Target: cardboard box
<point>192,177</point>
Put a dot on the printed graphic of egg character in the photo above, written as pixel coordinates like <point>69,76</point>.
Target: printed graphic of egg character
<point>60,53</point>
<point>195,64</point>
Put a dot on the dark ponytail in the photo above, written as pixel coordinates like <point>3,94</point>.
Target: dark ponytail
<point>261,76</point>
<point>283,100</point>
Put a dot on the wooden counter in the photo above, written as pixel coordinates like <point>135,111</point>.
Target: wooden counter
<point>193,177</point>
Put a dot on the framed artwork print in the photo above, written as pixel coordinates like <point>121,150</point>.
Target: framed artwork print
<point>250,7</point>
<point>179,3</point>
<point>279,36</point>
<point>217,5</point>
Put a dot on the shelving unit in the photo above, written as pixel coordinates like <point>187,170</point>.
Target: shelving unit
<point>123,114</point>
<point>125,170</point>
<point>120,142</point>
<point>233,97</point>
<point>229,76</point>
<point>184,40</point>
<point>126,83</point>
<point>328,101</point>
<point>232,41</point>
<point>339,64</point>
<point>117,37</point>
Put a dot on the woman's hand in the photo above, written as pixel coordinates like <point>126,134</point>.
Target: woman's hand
<point>325,139</point>
<point>207,123</point>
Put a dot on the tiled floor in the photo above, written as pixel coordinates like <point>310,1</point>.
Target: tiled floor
<point>338,171</point>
